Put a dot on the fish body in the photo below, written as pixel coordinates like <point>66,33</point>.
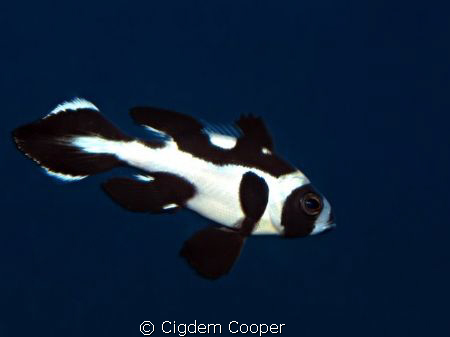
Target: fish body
<point>231,176</point>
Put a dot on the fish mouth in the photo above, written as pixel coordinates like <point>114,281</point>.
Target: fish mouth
<point>330,221</point>
<point>330,225</point>
<point>323,228</point>
<point>328,228</point>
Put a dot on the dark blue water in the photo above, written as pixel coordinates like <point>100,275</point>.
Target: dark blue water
<point>356,94</point>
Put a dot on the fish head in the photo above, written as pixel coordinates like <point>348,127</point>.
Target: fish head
<point>304,211</point>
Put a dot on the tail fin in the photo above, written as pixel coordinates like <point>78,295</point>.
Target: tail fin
<point>52,141</point>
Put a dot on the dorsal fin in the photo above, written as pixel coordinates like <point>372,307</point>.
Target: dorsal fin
<point>222,135</point>
<point>231,130</point>
<point>254,131</point>
<point>167,121</point>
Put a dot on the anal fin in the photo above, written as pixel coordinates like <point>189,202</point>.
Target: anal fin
<point>166,192</point>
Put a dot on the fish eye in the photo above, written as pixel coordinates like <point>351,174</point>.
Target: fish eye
<point>311,203</point>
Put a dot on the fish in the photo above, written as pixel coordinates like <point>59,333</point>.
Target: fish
<point>230,175</point>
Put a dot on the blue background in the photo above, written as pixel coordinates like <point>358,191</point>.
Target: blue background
<point>355,93</point>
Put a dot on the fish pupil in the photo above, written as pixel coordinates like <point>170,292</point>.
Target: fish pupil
<point>312,204</point>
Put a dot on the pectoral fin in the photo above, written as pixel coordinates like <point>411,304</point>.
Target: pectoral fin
<point>254,195</point>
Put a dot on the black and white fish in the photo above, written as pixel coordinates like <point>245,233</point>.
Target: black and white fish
<point>231,176</point>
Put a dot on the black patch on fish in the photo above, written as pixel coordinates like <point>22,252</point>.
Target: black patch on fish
<point>47,142</point>
<point>151,196</point>
<point>254,195</point>
<point>188,133</point>
<point>173,123</point>
<point>295,221</point>
<point>152,143</point>
<point>213,251</point>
